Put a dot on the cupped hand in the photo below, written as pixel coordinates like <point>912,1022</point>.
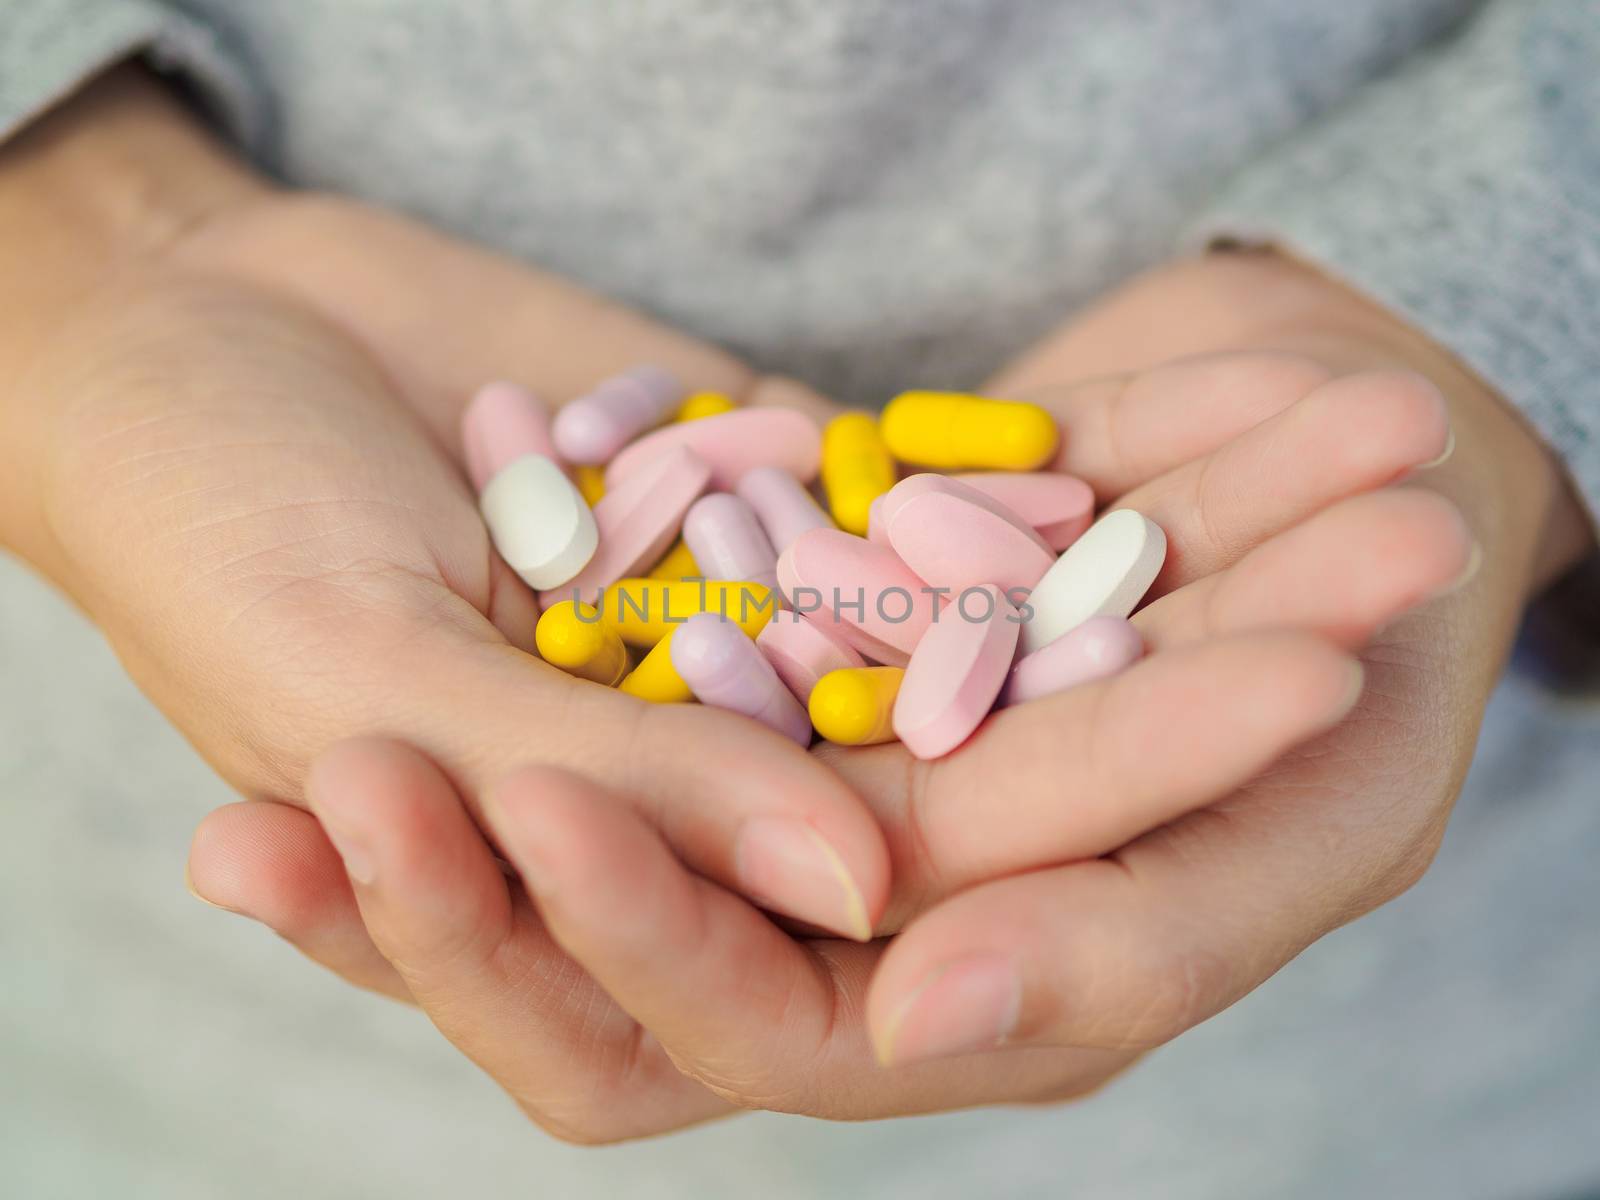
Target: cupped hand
<point>1261,464</point>
<point>250,478</point>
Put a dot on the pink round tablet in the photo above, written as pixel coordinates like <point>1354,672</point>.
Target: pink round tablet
<point>1059,507</point>
<point>727,540</point>
<point>592,428</point>
<point>732,444</point>
<point>860,590</point>
<point>637,521</point>
<point>956,673</point>
<point>802,651</point>
<point>1099,647</point>
<point>954,536</point>
<point>785,508</point>
<point>723,668</point>
<point>502,422</point>
<point>875,532</point>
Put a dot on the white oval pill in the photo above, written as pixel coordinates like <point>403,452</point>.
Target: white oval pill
<point>539,522</point>
<point>1103,574</point>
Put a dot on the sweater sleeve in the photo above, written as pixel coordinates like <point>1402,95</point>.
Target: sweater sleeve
<point>49,48</point>
<point>1464,194</point>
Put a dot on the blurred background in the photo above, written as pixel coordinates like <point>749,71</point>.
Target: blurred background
<point>152,1047</point>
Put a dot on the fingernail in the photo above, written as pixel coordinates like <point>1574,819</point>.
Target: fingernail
<point>188,883</point>
<point>1468,574</point>
<point>786,865</point>
<point>359,863</point>
<point>1444,455</point>
<point>1358,682</point>
<point>965,1006</point>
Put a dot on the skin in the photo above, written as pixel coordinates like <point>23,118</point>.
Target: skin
<point>240,408</point>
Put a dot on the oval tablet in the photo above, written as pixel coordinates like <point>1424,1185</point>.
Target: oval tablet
<point>1101,646</point>
<point>860,590</point>
<point>500,424</point>
<point>1103,574</point>
<point>595,426</point>
<point>723,668</point>
<point>727,541</point>
<point>954,536</point>
<point>956,672</point>
<point>637,521</point>
<point>1059,507</point>
<point>784,507</point>
<point>802,651</point>
<point>538,522</point>
<point>732,444</point>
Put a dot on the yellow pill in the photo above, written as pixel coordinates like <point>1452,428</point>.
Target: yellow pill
<point>856,469</point>
<point>704,404</point>
<point>576,639</point>
<point>677,563</point>
<point>655,678</point>
<point>591,483</point>
<point>644,611</point>
<point>854,706</point>
<point>954,431</point>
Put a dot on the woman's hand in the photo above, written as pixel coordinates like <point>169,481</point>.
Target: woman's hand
<point>1212,872</point>
<point>231,438</point>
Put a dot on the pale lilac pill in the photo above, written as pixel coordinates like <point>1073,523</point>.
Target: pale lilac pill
<point>784,507</point>
<point>727,540</point>
<point>500,424</point>
<point>595,426</point>
<point>1099,647</point>
<point>723,668</point>
<point>956,671</point>
<point>802,651</point>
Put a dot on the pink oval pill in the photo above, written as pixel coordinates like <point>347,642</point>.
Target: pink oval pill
<point>802,651</point>
<point>956,672</point>
<point>1099,647</point>
<point>727,540</point>
<point>1059,507</point>
<point>637,521</point>
<point>723,668</point>
<point>732,443</point>
<point>785,508</point>
<point>592,428</point>
<point>502,422</point>
<point>954,536</point>
<point>860,590</point>
<point>875,532</point>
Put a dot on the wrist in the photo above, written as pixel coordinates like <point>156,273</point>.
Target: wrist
<point>92,194</point>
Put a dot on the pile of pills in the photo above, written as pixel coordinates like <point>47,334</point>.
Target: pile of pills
<point>679,554</point>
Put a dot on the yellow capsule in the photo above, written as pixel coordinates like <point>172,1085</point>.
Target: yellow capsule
<point>644,611</point>
<point>704,404</point>
<point>591,483</point>
<point>856,469</point>
<point>677,563</point>
<point>854,706</point>
<point>655,678</point>
<point>954,431</point>
<point>575,638</point>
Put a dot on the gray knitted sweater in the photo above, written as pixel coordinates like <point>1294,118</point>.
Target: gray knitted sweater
<point>865,193</point>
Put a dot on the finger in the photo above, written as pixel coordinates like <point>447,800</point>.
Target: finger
<point>738,1004</point>
<point>273,863</point>
<point>1086,770</point>
<point>1131,950</point>
<point>1354,434</point>
<point>750,810</point>
<point>1121,431</point>
<point>478,962</point>
<point>1344,574</point>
